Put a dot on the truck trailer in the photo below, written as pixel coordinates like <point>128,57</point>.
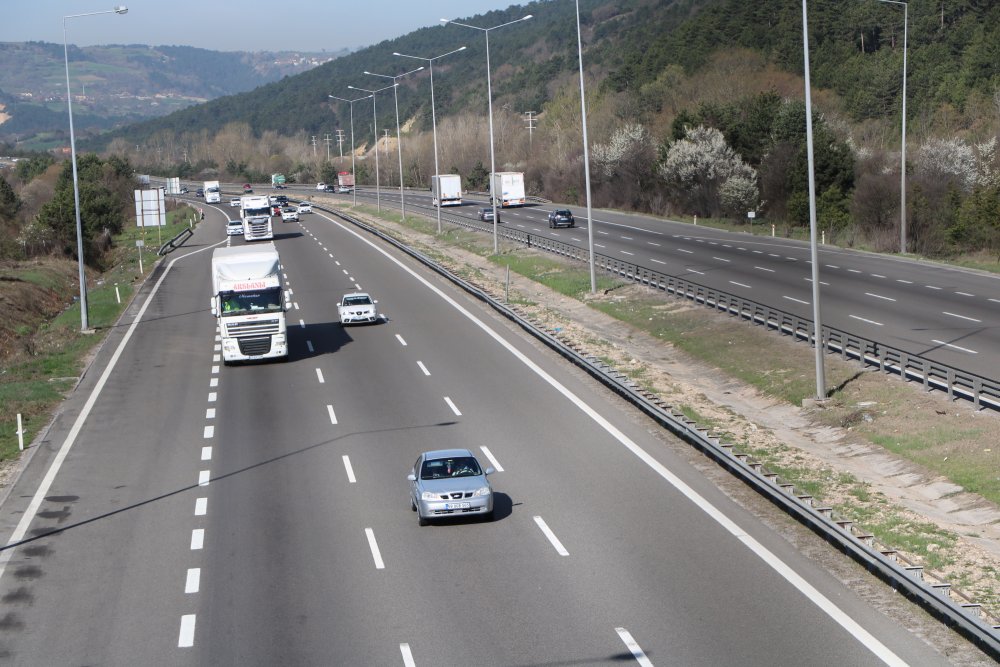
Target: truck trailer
<point>446,189</point>
<point>345,181</point>
<point>213,194</point>
<point>507,188</point>
<point>248,303</point>
<point>256,213</point>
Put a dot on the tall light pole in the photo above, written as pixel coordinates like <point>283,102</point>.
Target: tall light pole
<point>586,155</point>
<point>84,317</point>
<point>902,163</point>
<point>399,137</point>
<point>378,197</point>
<point>430,62</point>
<point>489,98</point>
<point>353,151</point>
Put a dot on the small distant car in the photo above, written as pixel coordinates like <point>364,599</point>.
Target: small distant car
<point>275,209</point>
<point>234,202</point>
<point>449,483</point>
<point>247,189</point>
<point>183,190</point>
<point>234,227</point>
<point>280,186</point>
<point>200,192</point>
<point>281,199</point>
<point>357,308</point>
<point>305,207</point>
<point>486,214</point>
<point>561,217</point>
<point>330,188</point>
<point>321,186</point>
<point>289,214</point>
<point>344,189</point>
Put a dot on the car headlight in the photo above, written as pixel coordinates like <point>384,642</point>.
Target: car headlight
<point>484,491</point>
<point>427,495</point>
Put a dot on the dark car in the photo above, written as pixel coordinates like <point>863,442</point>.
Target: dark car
<point>562,217</point>
<point>183,190</point>
<point>281,199</point>
<point>329,188</point>
<point>486,214</point>
<point>200,192</point>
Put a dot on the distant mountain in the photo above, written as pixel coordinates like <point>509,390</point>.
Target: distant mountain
<point>120,84</point>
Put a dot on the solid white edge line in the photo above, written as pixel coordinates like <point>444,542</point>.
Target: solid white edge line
<point>350,469</point>
<point>560,549</point>
<point>955,347</point>
<point>452,406</point>
<point>810,592</point>
<point>373,545</point>
<point>407,655</point>
<point>193,581</point>
<point>186,637</point>
<point>333,416</point>
<point>633,647</point>
<point>489,455</point>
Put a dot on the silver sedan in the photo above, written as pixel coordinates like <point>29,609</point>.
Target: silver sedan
<point>449,482</point>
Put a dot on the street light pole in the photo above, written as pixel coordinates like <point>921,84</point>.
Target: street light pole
<point>378,199</point>
<point>399,137</point>
<point>586,156</point>
<point>489,97</point>
<point>354,176</point>
<point>430,62</point>
<point>84,315</point>
<point>902,164</point>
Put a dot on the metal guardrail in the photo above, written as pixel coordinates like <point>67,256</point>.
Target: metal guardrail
<point>175,242</point>
<point>933,595</point>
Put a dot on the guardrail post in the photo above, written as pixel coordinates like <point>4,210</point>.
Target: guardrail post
<point>20,433</point>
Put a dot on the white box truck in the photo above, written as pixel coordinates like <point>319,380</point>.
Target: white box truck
<point>345,181</point>
<point>446,189</point>
<point>248,303</point>
<point>256,213</point>
<point>507,188</point>
<point>213,194</point>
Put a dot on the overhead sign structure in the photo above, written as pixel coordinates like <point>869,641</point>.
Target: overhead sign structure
<point>150,208</point>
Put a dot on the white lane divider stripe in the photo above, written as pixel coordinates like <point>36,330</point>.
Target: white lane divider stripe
<point>209,431</point>
<point>401,341</point>
<point>193,582</point>
<point>961,317</point>
<point>634,648</point>
<point>733,282</point>
<point>489,455</point>
<point>954,347</point>
<point>791,298</point>
<point>879,296</point>
<point>878,324</point>
<point>764,268</point>
<point>215,370</point>
<point>333,415</point>
<point>214,382</point>
<point>216,358</point>
<point>423,368</point>
<point>349,469</point>
<point>206,453</point>
<point>452,406</point>
<point>560,549</point>
<point>204,477</point>
<point>302,323</point>
<point>186,638</point>
<point>373,545</point>
<point>407,656</point>
<point>201,506</point>
<point>309,345</point>
<point>319,376</point>
<point>197,539</point>
<point>210,413</point>
<point>212,396</point>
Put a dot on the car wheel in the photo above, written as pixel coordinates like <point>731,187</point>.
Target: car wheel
<point>413,505</point>
<point>421,521</point>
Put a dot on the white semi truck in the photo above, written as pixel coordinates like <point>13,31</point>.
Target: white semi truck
<point>507,188</point>
<point>446,189</point>
<point>247,301</point>
<point>213,194</point>
<point>256,213</point>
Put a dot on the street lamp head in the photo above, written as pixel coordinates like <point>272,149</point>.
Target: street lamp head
<point>121,9</point>
<point>527,17</point>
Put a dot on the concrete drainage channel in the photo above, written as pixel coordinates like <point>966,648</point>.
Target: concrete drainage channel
<point>933,594</point>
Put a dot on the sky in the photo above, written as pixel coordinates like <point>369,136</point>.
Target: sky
<point>235,25</point>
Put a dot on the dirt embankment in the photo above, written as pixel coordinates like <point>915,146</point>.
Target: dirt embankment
<point>32,293</point>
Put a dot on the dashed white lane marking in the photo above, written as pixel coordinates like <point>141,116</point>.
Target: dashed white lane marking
<point>209,431</point>
<point>309,345</point>
<point>764,268</point>
<point>186,638</point>
<point>627,238</point>
<point>333,416</point>
<point>302,324</point>
<point>626,252</point>
<point>401,341</point>
<point>296,304</point>
<point>336,262</point>
<point>853,271</point>
<point>964,294</point>
<point>423,368</point>
<point>995,300</point>
<point>345,271</point>
<point>771,254</point>
<point>214,382</point>
<point>905,282</point>
<point>357,286</point>
<point>373,545</point>
<point>598,245</point>
<point>791,298</point>
<point>204,477</point>
<point>193,581</point>
<point>721,259</point>
<point>319,376</point>
<point>657,261</point>
<point>216,358</point>
<point>690,252</point>
<point>452,406</point>
<point>206,453</point>
<point>653,243</point>
<point>209,413</point>
<point>600,232</point>
<point>331,255</point>
<point>831,266</point>
<point>197,539</point>
<point>349,469</point>
<point>695,271</point>
<point>876,275</point>
<point>954,347</point>
<point>809,280</point>
<point>878,324</point>
<point>733,282</point>
<point>961,317</point>
<point>488,454</point>
<point>932,287</point>
<point>200,506</point>
<point>879,296</point>
<point>560,549</point>
<point>634,648</point>
<point>212,396</point>
<point>407,656</point>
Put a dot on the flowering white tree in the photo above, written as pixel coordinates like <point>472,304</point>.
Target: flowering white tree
<point>953,159</point>
<point>707,175</point>
<point>630,151</point>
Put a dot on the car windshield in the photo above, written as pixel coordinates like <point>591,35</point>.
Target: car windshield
<point>242,303</point>
<point>460,466</point>
<point>357,300</point>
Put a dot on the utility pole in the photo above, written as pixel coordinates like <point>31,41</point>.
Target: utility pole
<point>340,142</point>
<point>314,145</point>
<point>530,120</point>
<point>327,140</point>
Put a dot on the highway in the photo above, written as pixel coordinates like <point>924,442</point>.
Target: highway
<point>183,512</point>
<point>946,314</point>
